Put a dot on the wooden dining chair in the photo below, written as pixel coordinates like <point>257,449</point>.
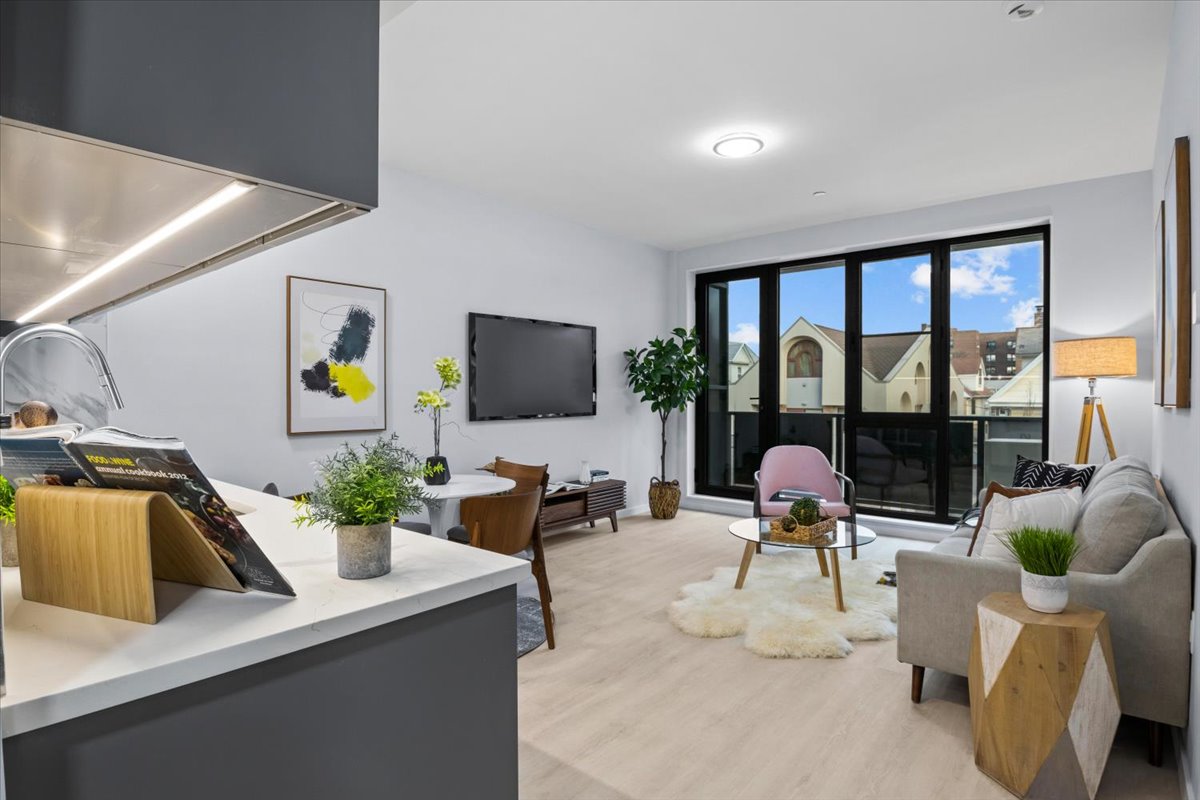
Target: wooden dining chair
<point>529,477</point>
<point>506,524</point>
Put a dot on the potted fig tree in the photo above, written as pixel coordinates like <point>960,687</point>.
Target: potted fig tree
<point>669,373</point>
<point>360,491</point>
<point>1045,555</point>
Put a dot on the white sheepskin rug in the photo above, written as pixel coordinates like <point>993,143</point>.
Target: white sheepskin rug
<point>786,608</point>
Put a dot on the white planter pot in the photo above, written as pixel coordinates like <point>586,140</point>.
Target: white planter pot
<point>1045,593</point>
<point>364,551</point>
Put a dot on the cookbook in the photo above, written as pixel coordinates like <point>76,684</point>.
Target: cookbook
<point>111,458</point>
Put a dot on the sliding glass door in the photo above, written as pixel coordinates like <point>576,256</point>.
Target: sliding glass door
<point>918,370</point>
<point>895,424</point>
<point>731,404</point>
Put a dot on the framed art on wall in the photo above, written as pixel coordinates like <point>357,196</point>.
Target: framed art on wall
<point>1175,321</point>
<point>1159,260</point>
<point>336,357</point>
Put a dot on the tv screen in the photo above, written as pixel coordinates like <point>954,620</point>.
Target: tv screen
<point>522,368</point>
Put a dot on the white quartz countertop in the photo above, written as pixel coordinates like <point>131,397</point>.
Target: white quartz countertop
<point>63,664</point>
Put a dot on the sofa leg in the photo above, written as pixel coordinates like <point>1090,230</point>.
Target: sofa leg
<point>918,682</point>
<point>1158,732</point>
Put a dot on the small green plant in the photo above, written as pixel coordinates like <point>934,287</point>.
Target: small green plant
<point>787,522</point>
<point>434,401</point>
<point>668,373</point>
<point>1042,551</point>
<point>8,502</point>
<point>364,485</point>
<point>806,510</point>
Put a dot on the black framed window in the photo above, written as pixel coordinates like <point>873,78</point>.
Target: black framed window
<point>917,369</point>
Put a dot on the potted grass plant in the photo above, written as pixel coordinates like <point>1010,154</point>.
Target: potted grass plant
<point>360,491</point>
<point>669,373</point>
<point>1045,555</point>
<point>8,523</point>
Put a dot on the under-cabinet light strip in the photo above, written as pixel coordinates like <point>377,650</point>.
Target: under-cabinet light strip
<point>193,215</point>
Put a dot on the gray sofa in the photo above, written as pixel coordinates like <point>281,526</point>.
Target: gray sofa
<point>1148,599</point>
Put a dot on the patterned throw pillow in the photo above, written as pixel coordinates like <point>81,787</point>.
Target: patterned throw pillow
<point>1030,474</point>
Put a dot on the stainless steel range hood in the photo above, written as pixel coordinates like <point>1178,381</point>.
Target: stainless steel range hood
<point>69,205</point>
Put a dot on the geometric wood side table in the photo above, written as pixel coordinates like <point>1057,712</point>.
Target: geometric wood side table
<point>1044,703</point>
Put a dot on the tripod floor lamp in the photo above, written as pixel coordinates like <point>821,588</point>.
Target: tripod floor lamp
<point>1106,357</point>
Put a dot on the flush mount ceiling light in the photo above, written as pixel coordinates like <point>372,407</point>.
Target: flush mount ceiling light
<point>193,215</point>
<point>1021,10</point>
<point>820,193</point>
<point>738,145</point>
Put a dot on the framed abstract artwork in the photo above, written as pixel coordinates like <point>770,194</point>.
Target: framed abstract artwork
<point>1175,300</point>
<point>336,357</point>
<point>1160,245</point>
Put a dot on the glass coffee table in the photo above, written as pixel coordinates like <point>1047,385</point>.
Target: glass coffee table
<point>756,531</point>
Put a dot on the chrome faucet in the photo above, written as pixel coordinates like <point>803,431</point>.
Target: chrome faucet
<point>99,363</point>
<point>50,330</point>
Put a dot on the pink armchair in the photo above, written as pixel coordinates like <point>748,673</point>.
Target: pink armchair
<point>789,472</point>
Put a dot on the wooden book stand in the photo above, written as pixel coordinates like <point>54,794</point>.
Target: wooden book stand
<point>99,550</point>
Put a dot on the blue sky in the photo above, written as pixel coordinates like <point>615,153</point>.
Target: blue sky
<point>992,289</point>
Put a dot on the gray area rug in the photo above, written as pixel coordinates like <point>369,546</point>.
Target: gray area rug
<point>531,630</point>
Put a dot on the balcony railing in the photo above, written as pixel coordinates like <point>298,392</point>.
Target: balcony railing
<point>898,469</point>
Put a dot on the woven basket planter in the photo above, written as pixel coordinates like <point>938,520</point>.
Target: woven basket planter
<point>807,534</point>
<point>664,499</point>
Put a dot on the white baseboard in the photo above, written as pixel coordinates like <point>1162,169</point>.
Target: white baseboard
<point>1187,781</point>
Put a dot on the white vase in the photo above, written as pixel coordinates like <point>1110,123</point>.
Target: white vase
<point>585,473</point>
<point>1045,593</point>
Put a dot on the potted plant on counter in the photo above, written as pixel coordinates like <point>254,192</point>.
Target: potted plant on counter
<point>668,373</point>
<point>434,402</point>
<point>360,491</point>
<point>1045,555</point>
<point>8,523</point>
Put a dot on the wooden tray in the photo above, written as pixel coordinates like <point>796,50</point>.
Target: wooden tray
<point>807,534</point>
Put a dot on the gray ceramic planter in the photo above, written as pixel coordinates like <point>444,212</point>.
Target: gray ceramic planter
<point>364,551</point>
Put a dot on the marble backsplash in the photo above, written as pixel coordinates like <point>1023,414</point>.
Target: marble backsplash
<point>57,372</point>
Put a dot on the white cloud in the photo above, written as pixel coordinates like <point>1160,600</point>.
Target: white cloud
<point>1020,314</point>
<point>921,275</point>
<point>975,273</point>
<point>746,333</point>
<point>918,297</point>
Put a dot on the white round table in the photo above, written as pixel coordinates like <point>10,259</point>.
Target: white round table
<point>458,487</point>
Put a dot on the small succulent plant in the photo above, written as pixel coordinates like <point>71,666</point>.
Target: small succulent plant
<point>806,511</point>
<point>788,523</point>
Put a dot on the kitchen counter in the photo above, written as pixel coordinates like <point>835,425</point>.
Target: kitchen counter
<point>65,665</point>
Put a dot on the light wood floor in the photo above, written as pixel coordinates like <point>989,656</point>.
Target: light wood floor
<point>629,707</point>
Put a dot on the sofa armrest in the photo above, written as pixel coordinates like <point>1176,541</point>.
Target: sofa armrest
<point>937,597</point>
<point>1148,603</point>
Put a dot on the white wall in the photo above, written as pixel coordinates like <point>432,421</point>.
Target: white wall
<point>205,360</point>
<point>1176,440</point>
<point>1101,279</point>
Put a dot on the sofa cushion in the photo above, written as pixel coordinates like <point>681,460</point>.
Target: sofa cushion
<point>1057,509</point>
<point>1030,473</point>
<point>983,524</point>
<point>953,546</point>
<point>1117,519</point>
<point>1123,471</point>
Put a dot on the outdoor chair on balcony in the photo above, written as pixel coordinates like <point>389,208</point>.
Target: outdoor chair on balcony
<point>789,472</point>
<point>888,472</point>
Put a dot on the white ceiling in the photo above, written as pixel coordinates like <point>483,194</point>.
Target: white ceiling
<point>605,112</point>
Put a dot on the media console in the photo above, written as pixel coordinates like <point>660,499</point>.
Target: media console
<point>570,507</point>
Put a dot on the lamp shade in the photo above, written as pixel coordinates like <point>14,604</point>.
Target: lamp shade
<point>1106,357</point>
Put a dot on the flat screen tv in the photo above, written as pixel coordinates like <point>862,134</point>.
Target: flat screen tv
<point>530,368</point>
